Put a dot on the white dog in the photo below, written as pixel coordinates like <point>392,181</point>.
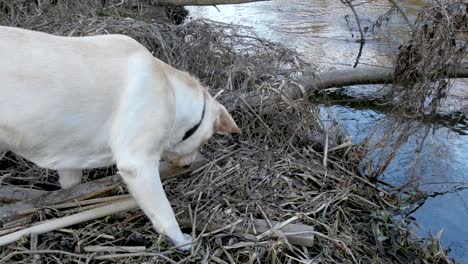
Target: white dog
<point>72,103</point>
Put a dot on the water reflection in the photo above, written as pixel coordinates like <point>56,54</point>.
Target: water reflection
<point>441,167</point>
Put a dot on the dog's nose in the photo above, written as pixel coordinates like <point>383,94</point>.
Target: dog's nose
<point>182,163</point>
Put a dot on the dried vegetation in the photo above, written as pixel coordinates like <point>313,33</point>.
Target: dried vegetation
<point>438,43</point>
<point>283,167</point>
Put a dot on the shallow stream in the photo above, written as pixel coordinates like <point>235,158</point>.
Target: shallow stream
<point>323,32</point>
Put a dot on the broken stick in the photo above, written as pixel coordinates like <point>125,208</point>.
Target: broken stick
<point>14,193</point>
<point>54,224</point>
<point>87,190</point>
<point>297,234</point>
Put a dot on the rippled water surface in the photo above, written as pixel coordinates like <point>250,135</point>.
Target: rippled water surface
<point>320,32</point>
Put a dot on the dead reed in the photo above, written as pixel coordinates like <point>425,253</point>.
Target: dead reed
<point>283,167</point>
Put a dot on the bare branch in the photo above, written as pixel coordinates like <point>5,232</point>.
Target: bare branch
<point>358,21</point>
<point>85,191</point>
<point>203,2</point>
<point>348,77</point>
<point>14,193</point>
<point>398,7</point>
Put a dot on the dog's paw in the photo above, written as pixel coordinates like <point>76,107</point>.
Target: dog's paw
<point>184,244</point>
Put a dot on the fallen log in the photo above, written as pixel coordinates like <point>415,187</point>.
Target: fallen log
<point>339,78</point>
<point>297,234</point>
<point>84,191</point>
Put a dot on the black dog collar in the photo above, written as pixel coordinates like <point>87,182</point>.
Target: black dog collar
<point>192,130</point>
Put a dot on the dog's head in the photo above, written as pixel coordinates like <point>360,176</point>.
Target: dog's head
<point>213,118</point>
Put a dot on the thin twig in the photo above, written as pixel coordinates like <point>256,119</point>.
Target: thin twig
<point>114,249</point>
<point>358,21</point>
<point>397,6</point>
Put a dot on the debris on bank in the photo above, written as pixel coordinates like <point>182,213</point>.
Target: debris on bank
<point>288,190</point>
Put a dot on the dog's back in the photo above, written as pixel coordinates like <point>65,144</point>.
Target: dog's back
<point>60,92</point>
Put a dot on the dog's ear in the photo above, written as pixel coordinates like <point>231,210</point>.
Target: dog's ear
<point>225,123</point>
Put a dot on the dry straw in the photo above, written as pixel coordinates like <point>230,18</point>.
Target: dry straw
<point>277,170</point>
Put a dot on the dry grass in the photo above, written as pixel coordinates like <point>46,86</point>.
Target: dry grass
<point>276,170</point>
<point>437,44</point>
<point>424,63</point>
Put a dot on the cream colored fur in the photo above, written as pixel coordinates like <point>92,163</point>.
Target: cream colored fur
<point>76,103</point>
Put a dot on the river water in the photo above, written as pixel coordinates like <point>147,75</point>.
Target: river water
<point>320,32</point>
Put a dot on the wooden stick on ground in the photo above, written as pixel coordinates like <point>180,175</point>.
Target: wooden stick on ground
<point>297,234</point>
<point>114,249</point>
<point>14,193</point>
<point>85,191</point>
<point>54,224</point>
<point>166,170</point>
<point>9,212</point>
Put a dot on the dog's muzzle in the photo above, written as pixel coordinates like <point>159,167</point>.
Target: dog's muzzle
<point>182,161</point>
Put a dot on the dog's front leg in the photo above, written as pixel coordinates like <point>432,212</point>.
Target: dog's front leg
<point>144,183</point>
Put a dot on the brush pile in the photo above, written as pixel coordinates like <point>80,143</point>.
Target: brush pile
<point>425,62</point>
<point>286,171</point>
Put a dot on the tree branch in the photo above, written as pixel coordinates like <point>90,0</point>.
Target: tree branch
<point>54,224</point>
<point>203,2</point>
<point>356,16</point>
<point>84,191</point>
<point>14,193</point>
<point>340,78</point>
<point>397,6</point>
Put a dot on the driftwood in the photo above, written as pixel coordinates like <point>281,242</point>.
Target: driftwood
<point>339,78</point>
<point>84,191</point>
<point>14,193</point>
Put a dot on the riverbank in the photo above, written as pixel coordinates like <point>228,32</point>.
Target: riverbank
<point>283,168</point>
